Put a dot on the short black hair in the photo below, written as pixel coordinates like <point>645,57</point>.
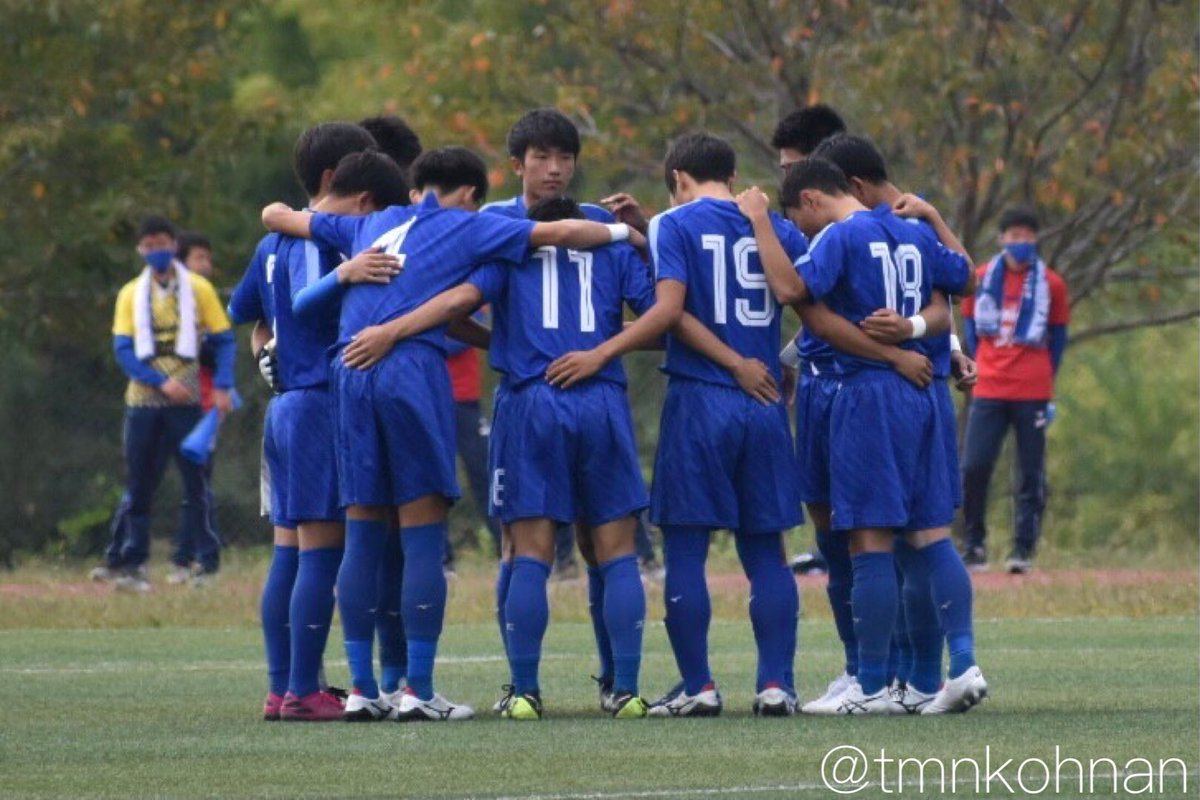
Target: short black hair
<point>552,209</point>
<point>395,137</point>
<point>1019,216</point>
<point>545,128</point>
<point>371,171</point>
<point>803,130</point>
<point>189,241</point>
<point>322,146</point>
<point>812,173</point>
<point>703,156</point>
<point>855,156</point>
<point>448,168</point>
<point>155,223</point>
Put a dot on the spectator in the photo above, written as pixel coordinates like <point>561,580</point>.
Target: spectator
<point>160,317</point>
<point>1016,324</point>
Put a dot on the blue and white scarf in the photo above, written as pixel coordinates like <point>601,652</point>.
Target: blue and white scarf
<point>1030,326</point>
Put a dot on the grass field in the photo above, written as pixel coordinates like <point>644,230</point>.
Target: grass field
<point>168,707</point>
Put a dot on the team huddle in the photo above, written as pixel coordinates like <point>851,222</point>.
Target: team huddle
<point>353,299</point>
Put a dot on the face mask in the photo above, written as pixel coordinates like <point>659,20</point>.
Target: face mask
<point>159,260</point>
<point>1022,252</point>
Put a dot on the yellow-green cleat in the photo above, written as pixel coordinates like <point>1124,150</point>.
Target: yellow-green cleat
<point>629,706</point>
<point>523,707</point>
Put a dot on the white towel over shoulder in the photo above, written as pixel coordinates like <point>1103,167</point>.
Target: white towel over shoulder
<point>143,315</point>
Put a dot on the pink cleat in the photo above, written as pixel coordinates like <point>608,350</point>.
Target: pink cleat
<point>271,707</point>
<point>315,707</point>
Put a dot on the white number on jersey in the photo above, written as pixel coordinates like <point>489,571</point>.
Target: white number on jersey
<point>902,274</point>
<point>582,260</point>
<point>748,280</point>
<point>270,269</point>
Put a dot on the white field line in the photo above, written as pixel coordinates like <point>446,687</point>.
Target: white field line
<point>104,667</point>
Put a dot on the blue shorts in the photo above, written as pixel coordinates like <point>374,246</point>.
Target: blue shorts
<point>888,455</point>
<point>950,438</point>
<point>814,409</point>
<point>301,465</point>
<point>724,461</point>
<point>395,428</point>
<point>569,455</point>
<point>496,446</point>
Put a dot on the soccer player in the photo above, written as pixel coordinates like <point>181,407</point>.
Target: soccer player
<point>889,470</point>
<point>297,600</point>
<point>395,434</point>
<point>158,323</point>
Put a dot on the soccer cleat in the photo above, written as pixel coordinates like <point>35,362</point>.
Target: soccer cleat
<point>524,707</point>
<point>505,699</point>
<point>678,703</point>
<point>393,698</point>
<point>316,707</point>
<point>910,699</point>
<point>809,564</point>
<point>828,703</point>
<point>606,694</point>
<point>435,709</point>
<point>133,580</point>
<point>203,577</point>
<point>1019,562</point>
<point>774,701</point>
<point>178,575</point>
<point>653,571</point>
<point>959,694</point>
<point>627,705</point>
<point>106,574</point>
<point>272,706</point>
<point>364,709</point>
<point>975,558</point>
<point>854,702</point>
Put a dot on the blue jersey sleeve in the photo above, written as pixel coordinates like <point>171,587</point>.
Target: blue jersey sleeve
<point>245,305</point>
<point>951,270</point>
<point>636,288</point>
<point>336,231</point>
<point>304,267</point>
<point>821,267</point>
<point>491,281</point>
<point>667,249</point>
<point>498,238</point>
<point>597,213</point>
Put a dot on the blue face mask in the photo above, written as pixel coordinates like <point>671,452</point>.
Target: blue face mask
<point>159,260</point>
<point>1022,252</point>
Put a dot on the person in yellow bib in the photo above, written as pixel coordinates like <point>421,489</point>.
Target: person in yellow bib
<point>160,319</point>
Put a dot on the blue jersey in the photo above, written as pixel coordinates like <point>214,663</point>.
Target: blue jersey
<point>874,259</point>
<point>563,300</point>
<point>252,299</point>
<point>301,348</point>
<point>709,245</point>
<point>515,207</point>
<point>438,249</point>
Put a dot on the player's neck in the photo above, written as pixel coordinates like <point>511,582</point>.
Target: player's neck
<point>316,198</point>
<point>712,189</point>
<point>888,193</point>
<point>845,205</point>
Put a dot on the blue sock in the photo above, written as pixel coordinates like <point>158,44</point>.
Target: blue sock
<point>874,596</point>
<point>527,613</point>
<point>688,606</point>
<point>311,612</point>
<point>920,613</point>
<point>596,596</point>
<point>774,604</point>
<point>503,578</point>
<point>423,601</point>
<point>624,617</point>
<point>900,660</point>
<point>835,547</point>
<point>358,598</point>
<point>276,597</point>
<point>389,622</point>
<point>952,596</point>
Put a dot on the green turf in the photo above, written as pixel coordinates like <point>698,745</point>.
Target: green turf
<point>172,712</point>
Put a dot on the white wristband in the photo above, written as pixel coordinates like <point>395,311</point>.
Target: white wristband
<point>918,326</point>
<point>790,355</point>
<point>955,344</point>
<point>618,232</point>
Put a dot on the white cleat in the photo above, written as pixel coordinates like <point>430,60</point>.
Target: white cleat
<point>134,580</point>
<point>827,703</point>
<point>678,703</point>
<point>106,574</point>
<point>393,698</point>
<point>177,575</point>
<point>853,702</point>
<point>501,704</point>
<point>366,709</point>
<point>435,709</point>
<point>910,699</point>
<point>959,694</point>
<point>774,702</point>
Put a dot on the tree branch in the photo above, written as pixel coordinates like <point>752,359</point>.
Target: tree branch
<point>1133,324</point>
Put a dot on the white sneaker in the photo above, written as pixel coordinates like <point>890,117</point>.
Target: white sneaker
<point>854,702</point>
<point>678,703</point>
<point>774,702</point>
<point>827,703</point>
<point>178,575</point>
<point>910,699</point>
<point>393,698</point>
<point>366,709</point>
<point>133,580</point>
<point>106,574</point>
<point>436,708</point>
<point>959,694</point>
